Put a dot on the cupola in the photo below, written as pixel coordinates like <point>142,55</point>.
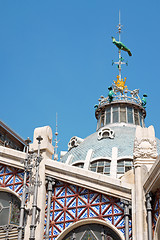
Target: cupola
<point>121,106</point>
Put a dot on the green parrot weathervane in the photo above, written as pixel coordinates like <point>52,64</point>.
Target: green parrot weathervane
<point>120,46</point>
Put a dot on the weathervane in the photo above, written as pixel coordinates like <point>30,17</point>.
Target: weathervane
<point>120,46</point>
<point>119,91</point>
<point>56,141</point>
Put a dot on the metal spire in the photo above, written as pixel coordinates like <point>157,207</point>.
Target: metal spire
<point>120,62</point>
<point>119,26</point>
<point>56,140</point>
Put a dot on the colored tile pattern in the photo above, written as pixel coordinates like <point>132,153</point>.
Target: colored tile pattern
<point>156,209</point>
<point>72,203</point>
<point>11,178</point>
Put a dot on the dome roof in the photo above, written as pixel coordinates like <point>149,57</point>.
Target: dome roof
<point>123,139</point>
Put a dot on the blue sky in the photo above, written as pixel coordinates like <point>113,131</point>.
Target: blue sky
<point>56,55</point>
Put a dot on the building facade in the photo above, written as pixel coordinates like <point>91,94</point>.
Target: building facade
<point>105,187</point>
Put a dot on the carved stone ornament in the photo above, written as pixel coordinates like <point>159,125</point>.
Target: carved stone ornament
<point>145,148</point>
<point>74,142</point>
<point>105,133</point>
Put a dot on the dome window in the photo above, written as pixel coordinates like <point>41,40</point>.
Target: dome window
<point>100,166</point>
<point>124,166</point>
<point>105,133</point>
<point>79,165</point>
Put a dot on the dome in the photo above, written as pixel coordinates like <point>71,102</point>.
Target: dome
<point>110,149</point>
<point>99,151</point>
<point>123,140</point>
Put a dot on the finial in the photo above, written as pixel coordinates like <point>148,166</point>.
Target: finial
<point>120,84</point>
<point>120,47</point>
<point>119,26</point>
<point>56,140</point>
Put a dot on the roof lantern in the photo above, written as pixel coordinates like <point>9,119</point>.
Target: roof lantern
<point>121,105</point>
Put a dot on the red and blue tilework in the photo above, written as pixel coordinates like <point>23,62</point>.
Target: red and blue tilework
<point>11,178</point>
<point>71,203</point>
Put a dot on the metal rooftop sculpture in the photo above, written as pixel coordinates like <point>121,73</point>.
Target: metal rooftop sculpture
<point>119,91</point>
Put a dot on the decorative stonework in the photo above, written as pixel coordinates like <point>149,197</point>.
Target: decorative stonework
<point>74,142</point>
<point>105,133</point>
<point>145,148</point>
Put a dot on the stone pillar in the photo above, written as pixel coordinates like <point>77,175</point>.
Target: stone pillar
<point>144,155</point>
<point>149,214</point>
<point>35,208</point>
<point>47,150</point>
<point>139,203</point>
<point>50,184</point>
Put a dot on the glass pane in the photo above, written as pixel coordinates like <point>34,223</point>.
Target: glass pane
<point>108,118</point>
<point>15,213</point>
<point>115,114</point>
<point>94,164</point>
<point>10,209</point>
<point>128,163</point>
<point>100,163</point>
<point>120,169</point>
<point>100,169</point>
<point>88,236</point>
<point>140,118</point>
<point>4,215</point>
<point>136,119</point>
<point>80,165</point>
<point>98,123</point>
<point>107,169</point>
<point>102,121</point>
<point>108,238</point>
<point>93,169</point>
<point>122,114</point>
<point>108,115</point>
<point>120,163</point>
<point>5,199</point>
<point>108,110</point>
<point>107,163</point>
<point>129,115</point>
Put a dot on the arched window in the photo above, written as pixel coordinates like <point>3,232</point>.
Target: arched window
<point>101,166</point>
<point>92,232</point>
<point>80,165</point>
<point>9,209</point>
<point>124,166</point>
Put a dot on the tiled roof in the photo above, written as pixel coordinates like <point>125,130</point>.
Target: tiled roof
<point>123,140</point>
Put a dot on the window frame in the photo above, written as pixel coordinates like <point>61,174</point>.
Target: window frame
<point>137,115</point>
<point>124,165</point>
<point>97,162</point>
